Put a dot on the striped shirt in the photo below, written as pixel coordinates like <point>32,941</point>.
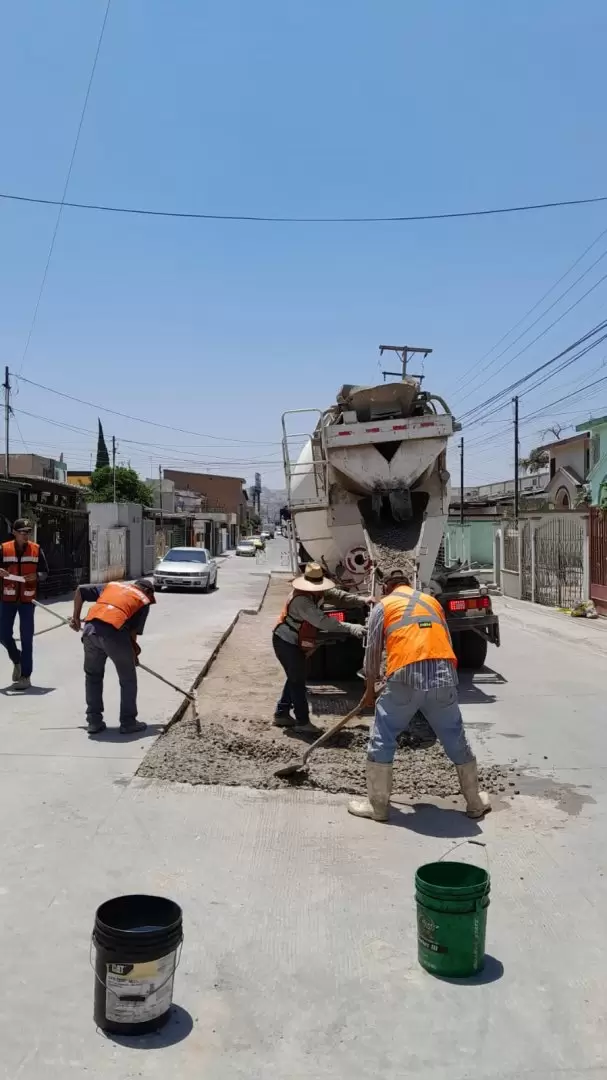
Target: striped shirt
<point>423,675</point>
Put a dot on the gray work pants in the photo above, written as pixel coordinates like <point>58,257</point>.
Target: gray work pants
<point>97,649</point>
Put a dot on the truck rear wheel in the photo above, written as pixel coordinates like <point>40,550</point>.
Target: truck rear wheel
<point>338,662</point>
<point>470,649</point>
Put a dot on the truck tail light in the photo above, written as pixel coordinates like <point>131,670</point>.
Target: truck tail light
<point>469,603</point>
<point>339,615</point>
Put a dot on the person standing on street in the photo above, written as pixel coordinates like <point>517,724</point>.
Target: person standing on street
<point>294,636</point>
<point>421,675</point>
<point>20,558</point>
<point>111,629</point>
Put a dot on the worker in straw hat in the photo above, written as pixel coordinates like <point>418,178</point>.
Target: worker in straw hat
<point>295,636</point>
<point>421,675</point>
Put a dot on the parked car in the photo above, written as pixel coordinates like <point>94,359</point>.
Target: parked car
<point>259,542</point>
<point>186,568</point>
<point>246,547</point>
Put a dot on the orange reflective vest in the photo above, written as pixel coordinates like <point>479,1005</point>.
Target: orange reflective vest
<point>118,603</point>
<point>23,565</point>
<point>306,633</point>
<point>414,629</point>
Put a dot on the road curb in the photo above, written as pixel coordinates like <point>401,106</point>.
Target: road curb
<point>185,705</point>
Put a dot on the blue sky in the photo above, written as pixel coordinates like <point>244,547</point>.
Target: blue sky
<point>284,108</point>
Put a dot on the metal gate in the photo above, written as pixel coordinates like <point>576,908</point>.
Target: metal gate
<point>559,561</point>
<point>598,558</point>
<point>63,535</point>
<point>527,538</point>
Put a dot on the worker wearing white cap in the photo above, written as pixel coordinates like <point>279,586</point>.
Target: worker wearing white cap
<point>295,635</point>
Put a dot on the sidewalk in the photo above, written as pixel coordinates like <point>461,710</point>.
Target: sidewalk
<point>591,633</point>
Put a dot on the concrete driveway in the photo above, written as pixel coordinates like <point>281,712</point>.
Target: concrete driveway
<point>300,952</point>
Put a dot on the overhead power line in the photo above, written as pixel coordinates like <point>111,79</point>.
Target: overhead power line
<point>195,216</point>
<point>548,328</point>
<point>140,420</point>
<point>61,202</point>
<point>474,412</point>
<point>534,307</point>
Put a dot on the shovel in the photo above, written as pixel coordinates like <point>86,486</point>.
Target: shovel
<point>190,695</point>
<point>287,771</point>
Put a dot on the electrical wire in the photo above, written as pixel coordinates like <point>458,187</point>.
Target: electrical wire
<point>548,328</point>
<point>535,306</point>
<point>191,215</point>
<point>536,321</point>
<point>477,409</point>
<point>140,420</point>
<point>61,203</point>
<point>173,459</point>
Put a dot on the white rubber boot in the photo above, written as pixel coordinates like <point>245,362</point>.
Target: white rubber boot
<point>477,802</point>
<point>379,788</point>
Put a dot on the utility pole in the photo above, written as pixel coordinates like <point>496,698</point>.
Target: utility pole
<point>160,496</point>
<point>461,481</point>
<point>114,464</point>
<point>7,416</point>
<point>403,352</point>
<point>516,470</point>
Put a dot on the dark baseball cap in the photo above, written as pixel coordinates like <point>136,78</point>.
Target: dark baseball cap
<point>21,524</point>
<point>397,574</point>
<point>147,586</point>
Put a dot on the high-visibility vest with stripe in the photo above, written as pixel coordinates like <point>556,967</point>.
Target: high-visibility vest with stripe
<point>414,629</point>
<point>24,565</point>
<point>306,633</point>
<point>118,602</point>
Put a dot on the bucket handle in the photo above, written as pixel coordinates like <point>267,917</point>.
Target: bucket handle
<point>477,843</point>
<point>155,990</point>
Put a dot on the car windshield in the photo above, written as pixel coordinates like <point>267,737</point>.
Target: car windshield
<point>175,555</point>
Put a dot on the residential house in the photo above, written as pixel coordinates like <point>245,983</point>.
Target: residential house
<point>225,501</point>
<point>35,465</point>
<point>485,500</point>
<point>569,466</point>
<point>59,519</point>
<point>79,478</point>
<point>596,477</point>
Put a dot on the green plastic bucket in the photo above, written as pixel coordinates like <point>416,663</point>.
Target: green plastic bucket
<point>452,901</point>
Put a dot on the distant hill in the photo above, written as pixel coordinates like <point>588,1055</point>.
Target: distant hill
<point>272,500</point>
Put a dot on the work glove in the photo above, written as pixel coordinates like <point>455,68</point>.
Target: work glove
<point>356,631</point>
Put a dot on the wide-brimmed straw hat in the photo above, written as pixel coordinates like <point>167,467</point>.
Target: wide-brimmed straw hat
<point>313,580</point>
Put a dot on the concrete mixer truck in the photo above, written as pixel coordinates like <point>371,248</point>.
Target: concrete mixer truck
<point>369,490</point>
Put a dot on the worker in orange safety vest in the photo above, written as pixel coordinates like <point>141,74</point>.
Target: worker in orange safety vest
<point>110,629</point>
<point>421,674</point>
<point>22,565</point>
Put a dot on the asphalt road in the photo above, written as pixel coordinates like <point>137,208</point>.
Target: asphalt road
<point>300,951</point>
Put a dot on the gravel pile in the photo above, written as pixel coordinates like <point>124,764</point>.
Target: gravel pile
<point>239,744</point>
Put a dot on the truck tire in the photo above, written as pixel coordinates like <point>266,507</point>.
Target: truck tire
<point>338,662</point>
<point>470,649</point>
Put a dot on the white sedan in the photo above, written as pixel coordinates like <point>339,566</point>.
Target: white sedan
<point>186,568</point>
<point>247,548</point>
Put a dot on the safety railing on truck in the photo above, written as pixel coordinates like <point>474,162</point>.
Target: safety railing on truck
<point>318,467</point>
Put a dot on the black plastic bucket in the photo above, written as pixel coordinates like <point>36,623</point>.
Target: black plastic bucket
<point>137,942</point>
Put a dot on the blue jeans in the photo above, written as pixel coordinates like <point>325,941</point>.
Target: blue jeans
<point>8,614</point>
<point>397,705</point>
